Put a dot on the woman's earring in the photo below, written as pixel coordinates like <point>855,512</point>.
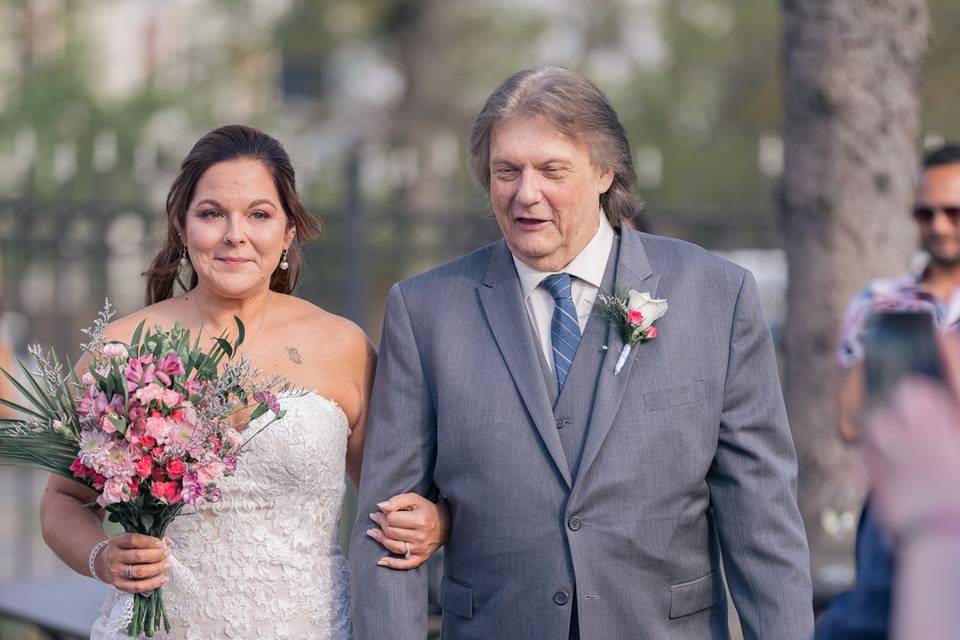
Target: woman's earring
<point>284,265</point>
<point>183,257</point>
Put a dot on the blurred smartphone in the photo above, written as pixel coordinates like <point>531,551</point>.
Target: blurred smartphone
<point>898,344</point>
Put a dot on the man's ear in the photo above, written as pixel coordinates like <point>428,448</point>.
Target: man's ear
<point>606,179</point>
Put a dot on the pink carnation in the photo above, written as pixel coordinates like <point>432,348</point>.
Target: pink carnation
<point>115,350</point>
<point>652,333</point>
<point>193,491</point>
<point>171,398</point>
<point>150,393</point>
<point>269,399</point>
<point>158,429</point>
<point>210,471</point>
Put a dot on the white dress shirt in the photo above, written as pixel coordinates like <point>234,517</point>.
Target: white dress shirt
<point>587,271</point>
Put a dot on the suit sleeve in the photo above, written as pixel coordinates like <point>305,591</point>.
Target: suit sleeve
<point>399,454</point>
<point>753,487</point>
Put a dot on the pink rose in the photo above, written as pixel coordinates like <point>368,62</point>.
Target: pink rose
<point>166,491</point>
<point>634,317</point>
<point>114,490</point>
<point>144,466</point>
<point>176,468</point>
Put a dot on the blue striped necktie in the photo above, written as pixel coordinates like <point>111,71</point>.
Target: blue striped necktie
<point>564,329</point>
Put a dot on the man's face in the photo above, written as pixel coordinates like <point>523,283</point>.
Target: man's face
<point>936,212</point>
<point>545,192</point>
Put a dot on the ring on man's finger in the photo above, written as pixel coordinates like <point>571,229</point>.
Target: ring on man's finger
<point>406,550</point>
<point>129,572</point>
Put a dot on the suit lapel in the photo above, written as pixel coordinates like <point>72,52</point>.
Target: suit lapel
<point>633,272</point>
<point>503,307</point>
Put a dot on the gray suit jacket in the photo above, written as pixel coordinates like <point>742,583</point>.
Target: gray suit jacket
<point>686,456</point>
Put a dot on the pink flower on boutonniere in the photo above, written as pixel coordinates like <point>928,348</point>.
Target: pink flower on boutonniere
<point>633,313</point>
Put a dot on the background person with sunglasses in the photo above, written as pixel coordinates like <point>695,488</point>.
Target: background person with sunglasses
<point>934,288</point>
<point>863,613</point>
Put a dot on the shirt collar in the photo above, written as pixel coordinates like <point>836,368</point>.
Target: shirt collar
<point>588,265</point>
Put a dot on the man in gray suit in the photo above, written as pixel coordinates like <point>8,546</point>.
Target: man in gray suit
<point>585,501</point>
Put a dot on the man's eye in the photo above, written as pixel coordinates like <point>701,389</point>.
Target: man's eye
<point>505,173</point>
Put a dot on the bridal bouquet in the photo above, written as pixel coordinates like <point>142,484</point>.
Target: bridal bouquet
<point>147,426</point>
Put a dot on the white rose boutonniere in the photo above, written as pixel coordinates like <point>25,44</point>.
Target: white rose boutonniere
<point>633,313</point>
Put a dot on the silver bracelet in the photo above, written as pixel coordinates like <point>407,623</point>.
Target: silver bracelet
<point>91,563</point>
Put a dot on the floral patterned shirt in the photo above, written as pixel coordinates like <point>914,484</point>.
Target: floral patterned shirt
<point>900,293</point>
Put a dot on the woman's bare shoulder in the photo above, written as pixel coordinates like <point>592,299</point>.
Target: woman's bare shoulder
<point>163,313</point>
<point>322,329</point>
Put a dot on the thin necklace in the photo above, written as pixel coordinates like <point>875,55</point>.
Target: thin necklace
<point>246,343</point>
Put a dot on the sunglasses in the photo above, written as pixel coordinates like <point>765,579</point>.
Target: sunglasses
<point>925,214</point>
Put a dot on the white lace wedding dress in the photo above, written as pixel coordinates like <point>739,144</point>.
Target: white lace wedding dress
<point>264,561</point>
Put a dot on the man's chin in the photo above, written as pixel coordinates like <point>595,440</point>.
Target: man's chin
<point>945,261</point>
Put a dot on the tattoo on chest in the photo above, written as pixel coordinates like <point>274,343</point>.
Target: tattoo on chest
<point>294,355</point>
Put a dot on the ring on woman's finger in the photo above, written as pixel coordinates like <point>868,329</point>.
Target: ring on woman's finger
<point>129,572</point>
<point>406,550</point>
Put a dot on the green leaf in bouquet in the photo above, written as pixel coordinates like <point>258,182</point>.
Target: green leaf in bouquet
<point>241,333</point>
<point>135,340</point>
<point>37,404</point>
<point>119,422</point>
<point>225,346</point>
<point>261,409</point>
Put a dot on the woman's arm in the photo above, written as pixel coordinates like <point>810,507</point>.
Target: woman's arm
<point>130,562</point>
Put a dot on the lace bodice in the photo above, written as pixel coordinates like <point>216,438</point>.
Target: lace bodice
<point>264,561</point>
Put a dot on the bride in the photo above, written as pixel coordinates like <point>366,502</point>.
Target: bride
<point>264,561</point>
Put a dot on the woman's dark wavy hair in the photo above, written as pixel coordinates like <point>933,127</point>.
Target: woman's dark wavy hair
<point>232,142</point>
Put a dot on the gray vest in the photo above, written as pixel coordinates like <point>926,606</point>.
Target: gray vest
<point>573,407</point>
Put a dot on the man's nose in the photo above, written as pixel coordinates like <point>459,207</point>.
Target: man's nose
<point>942,223</point>
<point>529,191</point>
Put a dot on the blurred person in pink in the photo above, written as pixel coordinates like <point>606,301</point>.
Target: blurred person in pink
<point>912,452</point>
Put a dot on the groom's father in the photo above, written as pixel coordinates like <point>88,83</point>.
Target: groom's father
<point>591,495</point>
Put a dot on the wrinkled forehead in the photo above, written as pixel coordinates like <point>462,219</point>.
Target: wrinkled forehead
<point>535,134</point>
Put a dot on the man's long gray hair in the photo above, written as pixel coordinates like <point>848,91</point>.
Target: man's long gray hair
<point>575,107</point>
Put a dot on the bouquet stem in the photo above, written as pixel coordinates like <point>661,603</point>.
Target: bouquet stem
<point>149,613</point>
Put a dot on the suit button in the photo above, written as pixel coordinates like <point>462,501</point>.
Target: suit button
<point>575,523</point>
<point>561,598</point>
<point>562,422</point>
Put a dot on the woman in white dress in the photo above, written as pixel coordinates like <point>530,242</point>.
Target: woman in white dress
<point>264,561</point>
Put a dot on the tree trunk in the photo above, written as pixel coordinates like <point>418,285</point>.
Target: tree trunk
<point>852,87</point>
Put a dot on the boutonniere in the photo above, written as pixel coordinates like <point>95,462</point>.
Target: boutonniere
<point>633,313</point>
